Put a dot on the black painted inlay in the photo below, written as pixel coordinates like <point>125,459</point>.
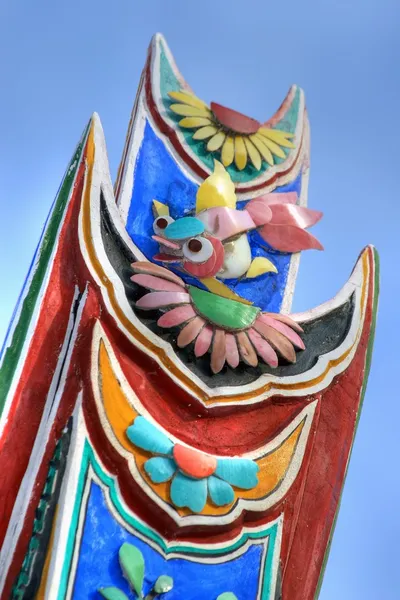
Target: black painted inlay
<point>322,335</point>
<point>28,580</point>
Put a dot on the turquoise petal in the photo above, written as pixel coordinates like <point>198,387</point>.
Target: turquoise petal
<point>186,227</point>
<point>190,493</point>
<point>160,469</point>
<point>220,492</point>
<point>240,472</point>
<point>145,435</point>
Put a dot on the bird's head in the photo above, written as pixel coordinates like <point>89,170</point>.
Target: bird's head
<point>203,245</point>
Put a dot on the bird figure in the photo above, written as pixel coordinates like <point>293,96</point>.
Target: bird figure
<point>213,246</point>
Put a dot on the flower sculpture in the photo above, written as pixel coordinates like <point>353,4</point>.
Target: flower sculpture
<point>195,475</point>
<point>238,138</point>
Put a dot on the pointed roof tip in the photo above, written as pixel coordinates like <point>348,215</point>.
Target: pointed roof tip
<point>157,39</point>
<point>96,121</point>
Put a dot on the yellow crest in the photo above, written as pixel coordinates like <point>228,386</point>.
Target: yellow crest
<point>216,190</point>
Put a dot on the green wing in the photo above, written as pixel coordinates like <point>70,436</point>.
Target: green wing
<point>226,313</point>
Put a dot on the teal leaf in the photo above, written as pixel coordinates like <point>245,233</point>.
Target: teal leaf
<point>240,472</point>
<point>221,493</point>
<point>113,593</point>
<point>145,435</point>
<point>227,596</point>
<point>188,492</point>
<point>224,312</point>
<point>132,565</point>
<point>163,584</point>
<point>160,469</point>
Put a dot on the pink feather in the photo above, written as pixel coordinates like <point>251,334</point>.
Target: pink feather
<point>264,349</point>
<point>288,238</point>
<point>176,316</point>
<point>157,284</point>
<point>232,352</point>
<point>287,331</point>
<point>149,268</point>
<point>203,341</point>
<point>162,299</point>
<point>290,214</point>
<point>190,332</point>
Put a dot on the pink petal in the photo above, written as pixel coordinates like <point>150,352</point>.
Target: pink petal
<point>190,332</point>
<point>277,198</point>
<point>246,349</point>
<point>259,211</point>
<point>234,120</point>
<point>176,316</point>
<point>203,341</point>
<point>165,242</point>
<point>152,269</point>
<point>223,222</point>
<point>218,351</point>
<point>232,352</point>
<point>158,284</point>
<point>284,329</point>
<point>290,214</point>
<point>287,320</point>
<point>264,349</point>
<point>288,238</point>
<point>162,299</point>
<point>277,340</point>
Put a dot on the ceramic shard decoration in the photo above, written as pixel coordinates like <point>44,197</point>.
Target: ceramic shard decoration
<point>168,428</point>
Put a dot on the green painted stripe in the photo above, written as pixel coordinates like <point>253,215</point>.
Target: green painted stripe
<point>13,352</point>
<point>89,459</point>
<point>368,360</point>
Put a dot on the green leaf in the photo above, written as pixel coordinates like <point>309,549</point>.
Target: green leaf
<point>224,312</point>
<point>132,565</point>
<point>227,596</point>
<point>112,593</point>
<point>163,584</point>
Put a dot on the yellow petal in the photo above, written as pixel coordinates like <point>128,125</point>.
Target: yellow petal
<point>275,149</point>
<point>259,266</point>
<point>277,136</point>
<point>216,190</point>
<point>216,142</point>
<point>187,98</point>
<point>219,288</point>
<point>192,122</point>
<point>160,209</point>
<point>262,148</point>
<point>205,132</point>
<point>240,153</point>
<point>253,154</point>
<point>190,111</point>
<point>228,151</point>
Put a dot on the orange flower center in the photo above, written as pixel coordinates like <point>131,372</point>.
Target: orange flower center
<point>193,463</point>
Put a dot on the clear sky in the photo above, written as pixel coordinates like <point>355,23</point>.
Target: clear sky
<point>60,61</point>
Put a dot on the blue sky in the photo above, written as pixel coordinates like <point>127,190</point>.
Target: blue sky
<point>63,60</point>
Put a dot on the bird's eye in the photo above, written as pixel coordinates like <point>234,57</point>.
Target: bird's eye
<point>161,223</point>
<point>198,249</point>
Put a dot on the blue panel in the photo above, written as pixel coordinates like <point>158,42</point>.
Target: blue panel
<point>98,564</point>
<point>158,177</point>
